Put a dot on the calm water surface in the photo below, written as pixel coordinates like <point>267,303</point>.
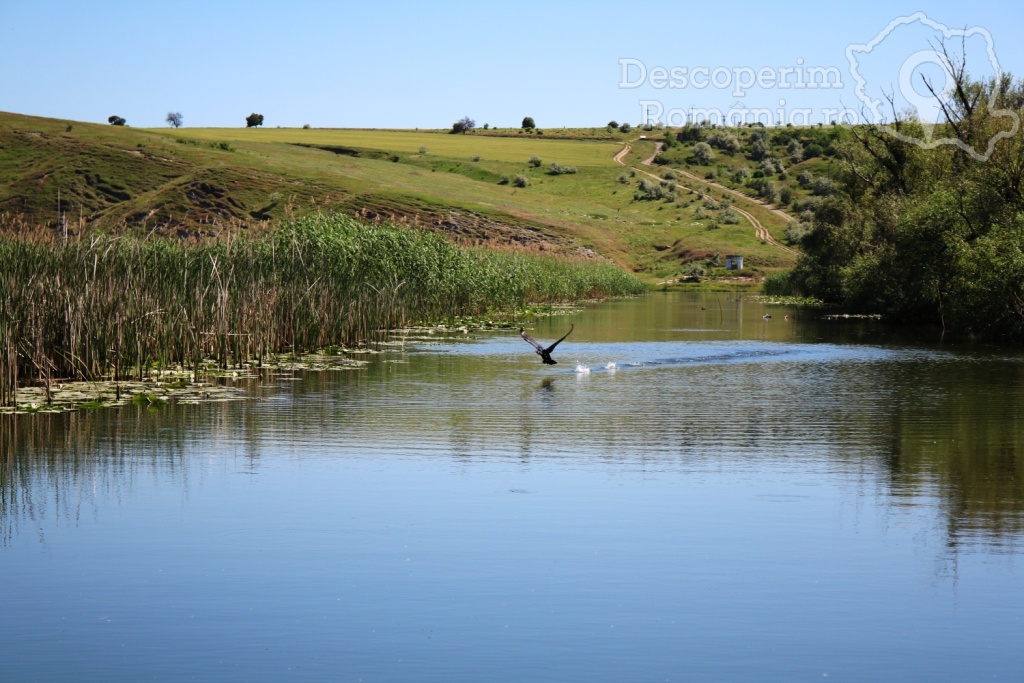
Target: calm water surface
<point>739,499</point>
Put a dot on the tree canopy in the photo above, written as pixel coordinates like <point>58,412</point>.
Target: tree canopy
<point>253,120</point>
<point>174,118</point>
<point>463,125</point>
<point>928,234</point>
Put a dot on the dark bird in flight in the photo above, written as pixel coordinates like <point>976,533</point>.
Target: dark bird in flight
<point>545,354</point>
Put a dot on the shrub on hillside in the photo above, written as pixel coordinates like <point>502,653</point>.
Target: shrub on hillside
<point>648,190</point>
<point>795,151</point>
<point>822,186</point>
<point>702,154</point>
<point>813,150</point>
<point>765,189</point>
<point>558,169</point>
<point>727,142</point>
<point>728,216</point>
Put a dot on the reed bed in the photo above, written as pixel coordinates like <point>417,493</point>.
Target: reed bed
<point>119,307</point>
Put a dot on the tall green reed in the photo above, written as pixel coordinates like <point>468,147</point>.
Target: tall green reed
<point>102,306</point>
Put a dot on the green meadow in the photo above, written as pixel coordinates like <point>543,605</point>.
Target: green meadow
<point>511,149</point>
<point>196,182</point>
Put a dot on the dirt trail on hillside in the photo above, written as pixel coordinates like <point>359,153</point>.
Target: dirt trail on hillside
<point>762,232</point>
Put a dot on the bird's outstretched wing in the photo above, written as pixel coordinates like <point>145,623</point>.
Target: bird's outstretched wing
<point>552,347</point>
<point>533,342</point>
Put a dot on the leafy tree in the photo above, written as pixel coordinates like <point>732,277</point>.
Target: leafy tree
<point>795,150</point>
<point>823,186</point>
<point>625,128</point>
<point>116,121</point>
<point>174,118</point>
<point>760,146</point>
<point>927,235</point>
<point>528,123</point>
<point>613,124</point>
<point>463,125</point>
<point>813,150</point>
<point>690,133</point>
<point>253,120</point>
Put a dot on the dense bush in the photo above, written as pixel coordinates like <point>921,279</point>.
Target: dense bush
<point>648,190</point>
<point>558,169</point>
<point>727,142</point>
<point>823,186</point>
<point>702,154</point>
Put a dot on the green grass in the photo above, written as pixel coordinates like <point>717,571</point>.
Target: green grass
<point>517,149</point>
<point>196,183</point>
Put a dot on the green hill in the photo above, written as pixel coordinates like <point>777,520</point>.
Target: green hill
<point>573,198</point>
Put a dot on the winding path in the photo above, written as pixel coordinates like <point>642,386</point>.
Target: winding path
<point>762,232</point>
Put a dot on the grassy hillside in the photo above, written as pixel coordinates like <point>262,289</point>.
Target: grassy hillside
<point>193,182</point>
<point>789,167</point>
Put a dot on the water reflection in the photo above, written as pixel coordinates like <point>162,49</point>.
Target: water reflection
<point>700,383</point>
<point>740,499</point>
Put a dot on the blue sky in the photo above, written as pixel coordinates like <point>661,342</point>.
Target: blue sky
<point>407,65</point>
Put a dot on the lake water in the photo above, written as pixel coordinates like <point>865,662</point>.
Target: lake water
<point>740,499</point>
